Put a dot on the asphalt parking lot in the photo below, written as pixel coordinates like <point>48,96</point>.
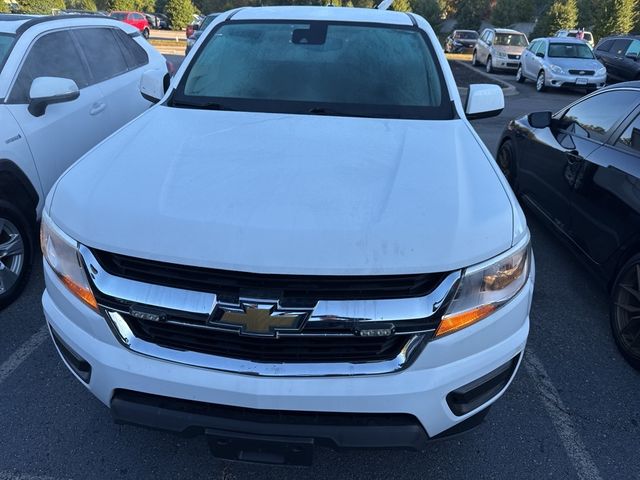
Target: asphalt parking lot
<point>572,411</point>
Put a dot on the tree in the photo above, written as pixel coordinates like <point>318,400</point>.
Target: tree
<point>471,13</point>
<point>4,8</point>
<point>614,16</point>
<point>507,12</point>
<point>429,9</point>
<point>81,4</point>
<point>401,6</point>
<point>41,7</point>
<point>180,13</point>
<point>561,14</point>
<point>120,5</point>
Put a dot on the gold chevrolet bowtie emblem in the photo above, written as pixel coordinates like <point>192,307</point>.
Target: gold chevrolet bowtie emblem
<point>258,319</point>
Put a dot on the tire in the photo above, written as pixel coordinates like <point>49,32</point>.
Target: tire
<point>506,160</point>
<point>146,34</point>
<point>625,326</point>
<point>16,252</point>
<point>540,82</point>
<point>474,59</point>
<point>520,75</point>
<point>488,66</point>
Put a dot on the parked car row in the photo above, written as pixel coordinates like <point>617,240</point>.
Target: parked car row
<point>564,60</point>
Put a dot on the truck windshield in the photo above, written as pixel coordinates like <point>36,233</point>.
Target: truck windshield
<point>321,68</point>
<point>6,40</point>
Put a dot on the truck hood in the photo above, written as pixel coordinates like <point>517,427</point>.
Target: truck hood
<point>297,194</point>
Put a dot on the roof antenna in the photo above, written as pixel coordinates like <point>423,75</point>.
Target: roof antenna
<point>384,4</point>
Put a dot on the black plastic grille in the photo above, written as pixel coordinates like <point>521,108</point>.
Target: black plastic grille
<point>295,349</point>
<point>582,72</point>
<point>233,284</point>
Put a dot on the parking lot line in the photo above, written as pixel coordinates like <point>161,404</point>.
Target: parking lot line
<point>21,354</point>
<point>573,444</point>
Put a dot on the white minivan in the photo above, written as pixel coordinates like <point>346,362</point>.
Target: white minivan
<point>66,83</point>
<point>323,253</point>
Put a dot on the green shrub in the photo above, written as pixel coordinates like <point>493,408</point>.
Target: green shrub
<point>180,13</point>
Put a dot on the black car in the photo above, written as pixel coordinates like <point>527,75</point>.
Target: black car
<point>621,56</point>
<point>460,41</point>
<point>579,169</point>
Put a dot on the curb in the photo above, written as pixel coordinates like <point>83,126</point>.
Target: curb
<point>508,90</point>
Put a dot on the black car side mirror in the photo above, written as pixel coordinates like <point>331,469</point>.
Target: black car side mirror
<point>540,54</point>
<point>540,119</point>
<point>632,56</point>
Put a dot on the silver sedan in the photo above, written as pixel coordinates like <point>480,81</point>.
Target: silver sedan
<point>561,62</point>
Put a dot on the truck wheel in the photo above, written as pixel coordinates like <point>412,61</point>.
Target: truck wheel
<point>625,308</point>
<point>519,75</point>
<point>16,252</point>
<point>474,59</point>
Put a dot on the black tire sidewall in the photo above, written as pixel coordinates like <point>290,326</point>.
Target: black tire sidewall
<point>633,360</point>
<point>513,167</point>
<point>27,231</point>
<point>541,89</point>
<point>488,65</point>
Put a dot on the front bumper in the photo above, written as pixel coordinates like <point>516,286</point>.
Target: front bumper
<point>565,80</point>
<point>447,365</point>
<point>505,63</point>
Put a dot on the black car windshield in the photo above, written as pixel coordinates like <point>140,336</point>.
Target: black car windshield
<point>570,50</point>
<point>466,35</point>
<point>118,15</point>
<point>6,40</point>
<point>511,39</point>
<point>321,68</point>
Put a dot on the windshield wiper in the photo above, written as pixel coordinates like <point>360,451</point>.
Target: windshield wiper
<point>201,105</point>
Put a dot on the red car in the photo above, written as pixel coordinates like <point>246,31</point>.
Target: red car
<point>135,19</point>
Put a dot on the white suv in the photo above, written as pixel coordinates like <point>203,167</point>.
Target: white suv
<point>66,83</point>
<point>324,251</point>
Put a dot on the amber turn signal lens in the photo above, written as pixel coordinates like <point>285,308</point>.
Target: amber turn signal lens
<point>82,293</point>
<point>453,323</point>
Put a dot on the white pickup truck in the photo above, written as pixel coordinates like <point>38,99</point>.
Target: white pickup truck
<point>323,253</point>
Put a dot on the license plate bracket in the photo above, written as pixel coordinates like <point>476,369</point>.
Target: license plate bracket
<point>581,81</point>
<point>274,450</point>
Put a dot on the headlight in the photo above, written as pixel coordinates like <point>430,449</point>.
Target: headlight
<point>486,287</point>
<point>501,55</point>
<point>61,253</point>
<point>457,43</point>
<point>556,69</point>
<point>601,71</point>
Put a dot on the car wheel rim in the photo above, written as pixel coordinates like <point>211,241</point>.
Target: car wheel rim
<point>627,317</point>
<point>540,83</point>
<point>519,74</point>
<point>489,65</point>
<point>11,255</point>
